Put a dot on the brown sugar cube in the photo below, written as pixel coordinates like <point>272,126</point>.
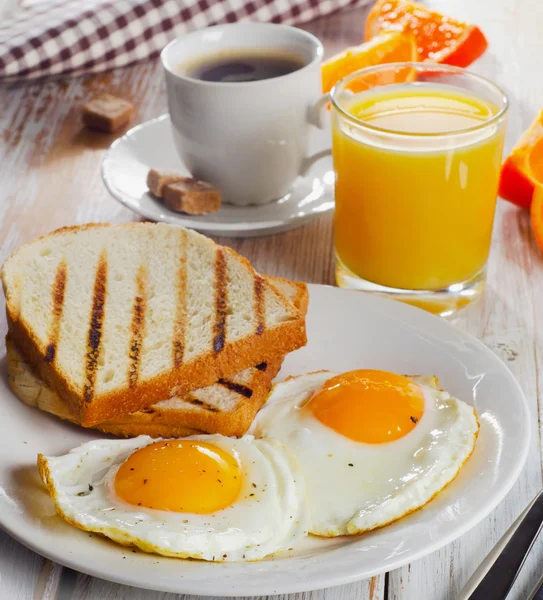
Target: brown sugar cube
<point>157,179</point>
<point>107,113</point>
<point>192,197</point>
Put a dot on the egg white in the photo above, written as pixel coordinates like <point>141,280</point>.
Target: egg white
<point>267,516</point>
<point>354,487</point>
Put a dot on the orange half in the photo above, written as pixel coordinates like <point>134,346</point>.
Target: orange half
<point>387,48</point>
<point>439,38</point>
<point>522,170</point>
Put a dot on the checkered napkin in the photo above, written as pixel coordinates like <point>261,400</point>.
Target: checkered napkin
<point>70,37</point>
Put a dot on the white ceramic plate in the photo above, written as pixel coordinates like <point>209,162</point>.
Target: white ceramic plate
<point>151,145</point>
<point>346,330</point>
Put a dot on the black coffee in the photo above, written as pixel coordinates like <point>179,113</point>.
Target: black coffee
<point>247,66</point>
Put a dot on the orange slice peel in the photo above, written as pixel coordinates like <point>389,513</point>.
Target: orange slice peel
<point>387,48</point>
<point>440,38</point>
<point>536,215</point>
<point>522,170</point>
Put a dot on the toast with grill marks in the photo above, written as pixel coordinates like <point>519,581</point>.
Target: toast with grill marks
<point>113,317</point>
<point>227,407</point>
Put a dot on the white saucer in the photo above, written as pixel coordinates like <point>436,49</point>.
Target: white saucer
<point>151,144</point>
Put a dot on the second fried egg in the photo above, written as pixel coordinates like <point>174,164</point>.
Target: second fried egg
<point>372,446</point>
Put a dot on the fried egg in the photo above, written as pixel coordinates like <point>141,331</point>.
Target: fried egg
<point>373,446</point>
<point>207,497</point>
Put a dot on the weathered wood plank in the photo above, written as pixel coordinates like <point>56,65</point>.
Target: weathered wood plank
<point>89,588</point>
<point>20,570</point>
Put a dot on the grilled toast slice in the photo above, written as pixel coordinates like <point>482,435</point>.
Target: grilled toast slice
<point>113,317</point>
<point>227,407</point>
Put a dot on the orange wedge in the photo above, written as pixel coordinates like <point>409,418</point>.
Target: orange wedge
<point>439,38</point>
<point>536,215</point>
<point>522,170</point>
<point>387,48</point>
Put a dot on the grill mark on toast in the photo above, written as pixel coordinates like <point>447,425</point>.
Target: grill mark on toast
<point>50,352</point>
<point>178,346</point>
<point>238,388</point>
<point>94,337</point>
<point>259,305</point>
<point>57,298</point>
<point>221,300</point>
<point>138,326</point>
<point>201,404</point>
<point>262,366</point>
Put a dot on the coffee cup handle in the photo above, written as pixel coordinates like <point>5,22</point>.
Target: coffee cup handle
<point>318,111</point>
<point>316,117</point>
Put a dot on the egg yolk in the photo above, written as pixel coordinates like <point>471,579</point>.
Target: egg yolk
<point>368,406</point>
<point>180,475</point>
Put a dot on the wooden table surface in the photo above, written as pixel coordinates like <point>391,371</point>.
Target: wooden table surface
<point>50,177</point>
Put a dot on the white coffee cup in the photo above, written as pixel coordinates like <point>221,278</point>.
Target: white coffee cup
<point>249,139</point>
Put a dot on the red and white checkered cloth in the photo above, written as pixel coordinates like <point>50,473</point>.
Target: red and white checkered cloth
<point>70,37</point>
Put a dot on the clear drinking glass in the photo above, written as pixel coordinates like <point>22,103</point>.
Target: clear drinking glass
<point>417,154</point>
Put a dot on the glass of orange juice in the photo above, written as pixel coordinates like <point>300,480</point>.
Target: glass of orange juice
<point>417,153</point>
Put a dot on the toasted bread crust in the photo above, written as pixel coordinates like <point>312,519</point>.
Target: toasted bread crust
<point>301,299</point>
<point>158,422</point>
<point>235,357</point>
<point>91,409</point>
<point>187,419</point>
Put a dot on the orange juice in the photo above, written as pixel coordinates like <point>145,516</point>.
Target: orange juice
<point>416,185</point>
